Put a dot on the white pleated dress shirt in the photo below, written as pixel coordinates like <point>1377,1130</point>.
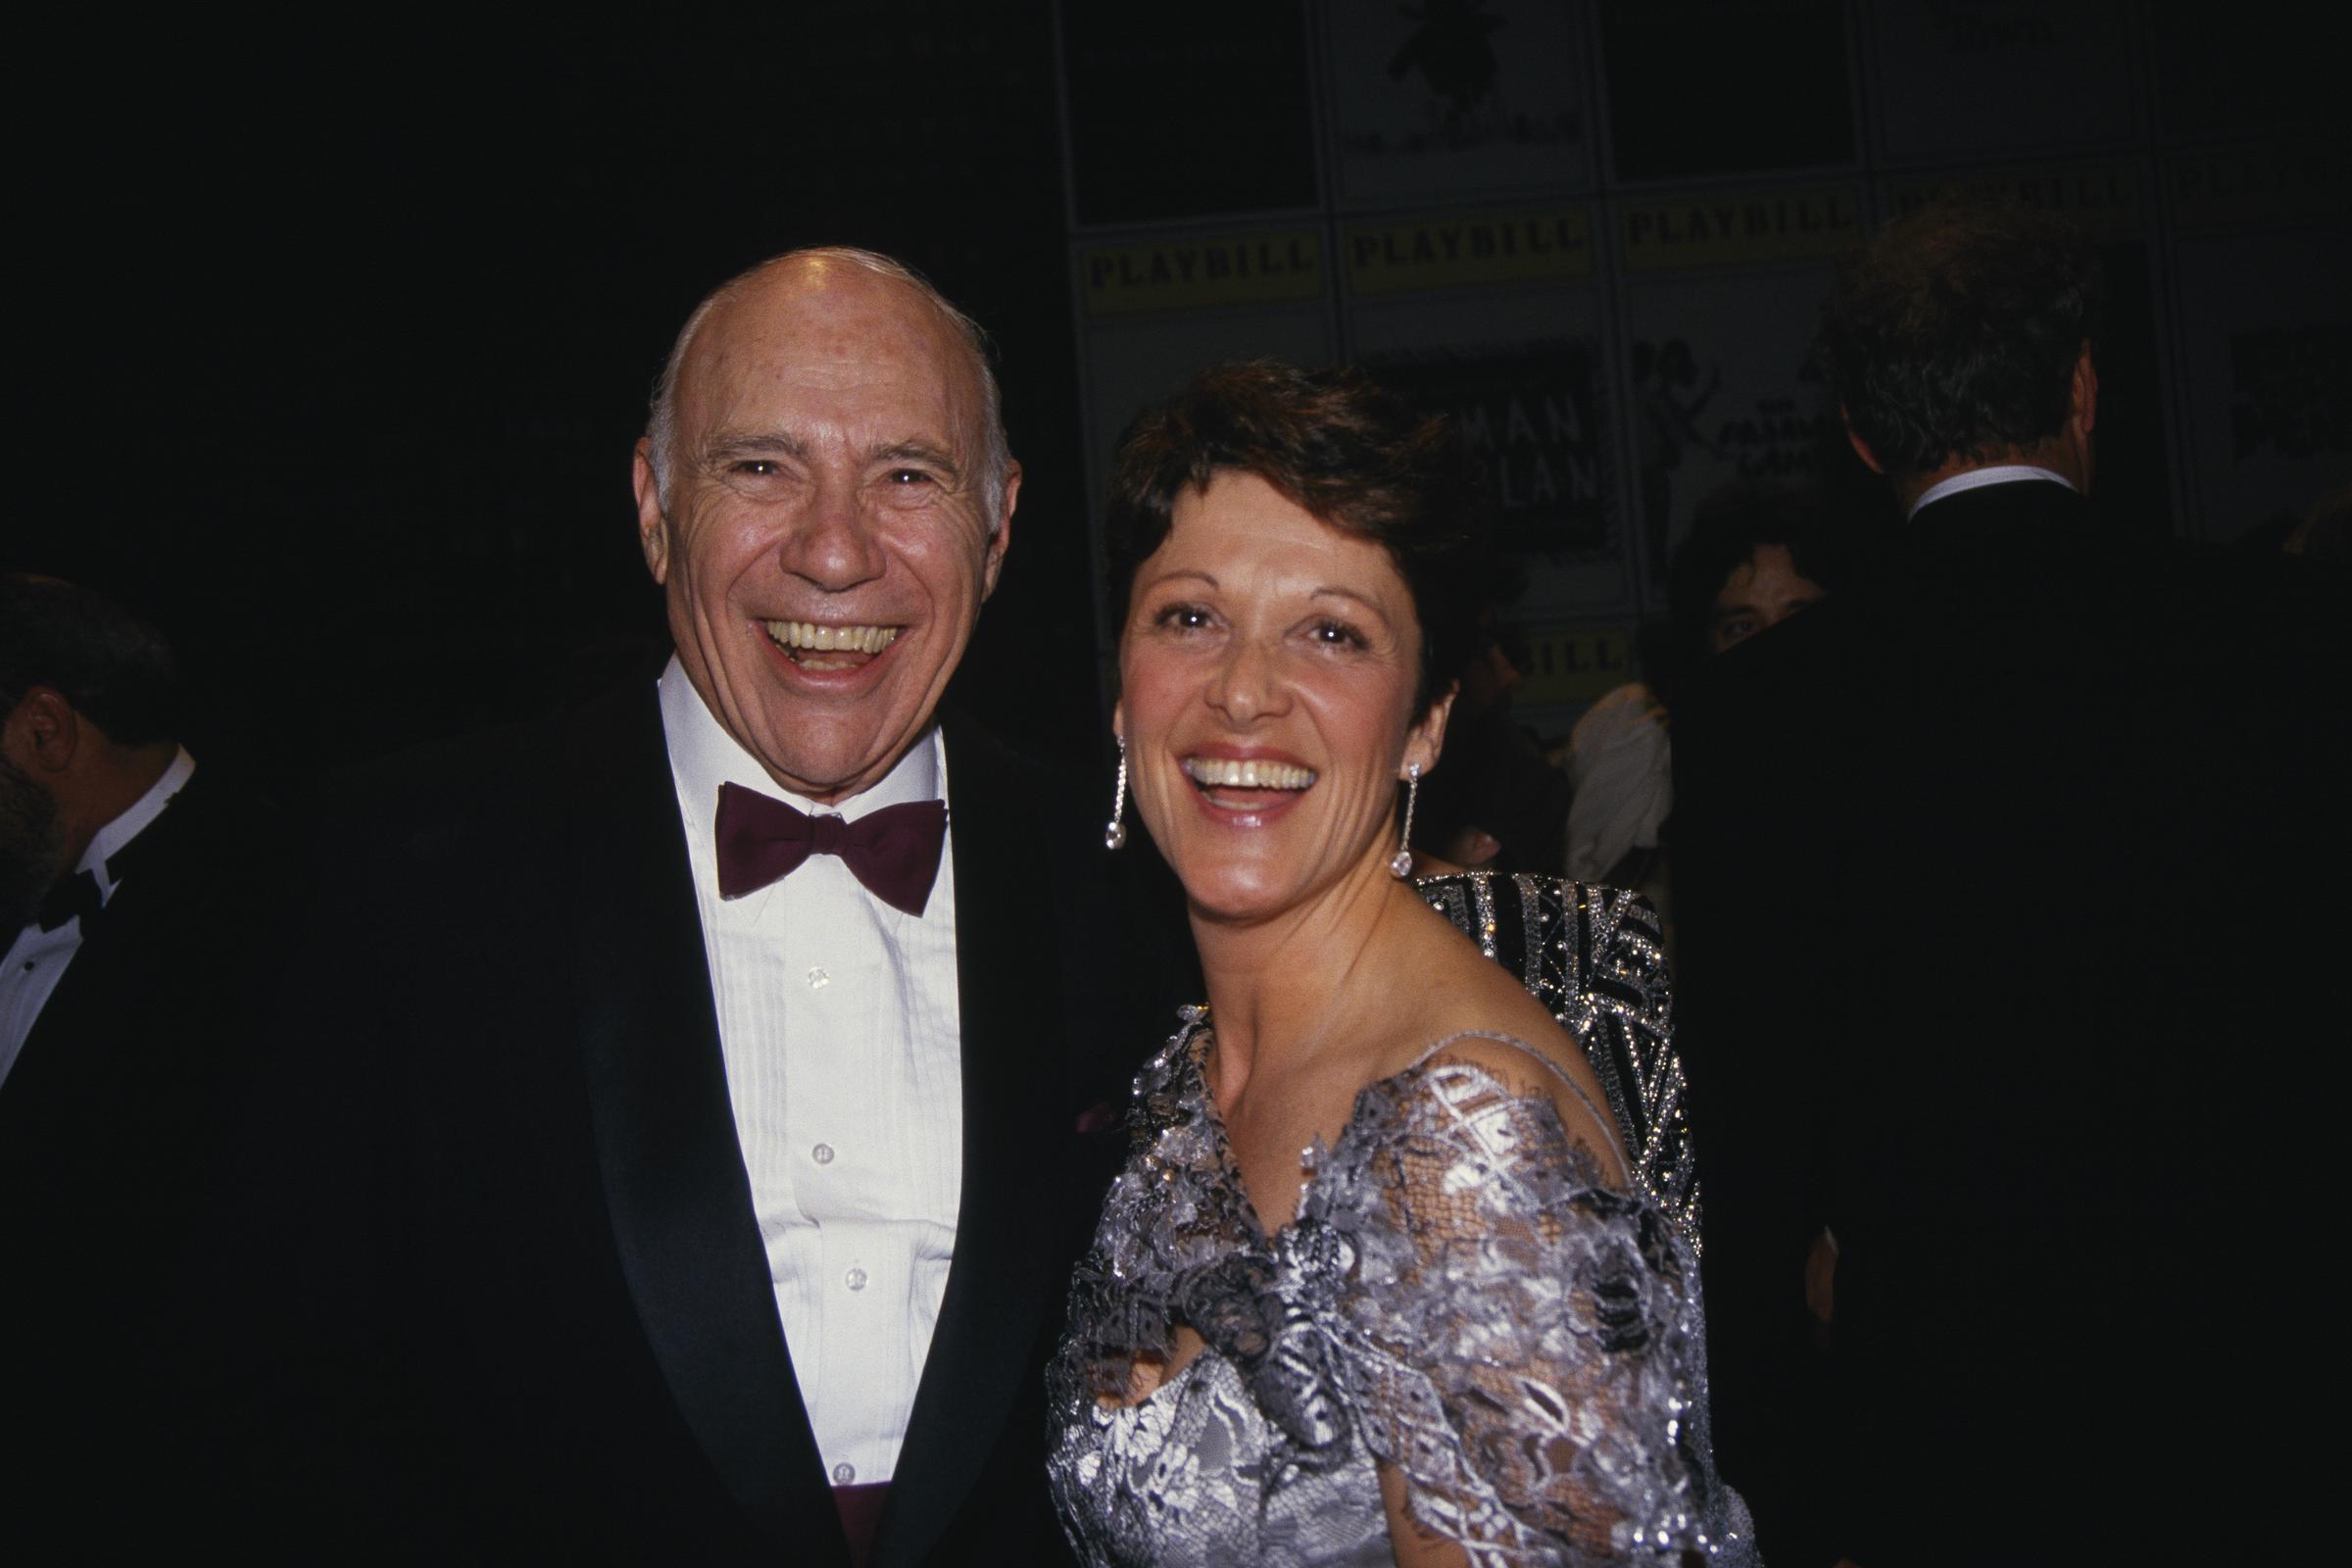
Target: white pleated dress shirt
<point>839,1021</point>
<point>36,961</point>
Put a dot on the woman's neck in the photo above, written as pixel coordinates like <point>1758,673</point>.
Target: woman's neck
<point>1280,988</point>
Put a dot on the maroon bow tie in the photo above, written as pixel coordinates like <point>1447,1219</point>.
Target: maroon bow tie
<point>894,852</point>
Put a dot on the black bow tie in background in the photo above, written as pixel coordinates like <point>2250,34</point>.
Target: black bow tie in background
<point>70,898</point>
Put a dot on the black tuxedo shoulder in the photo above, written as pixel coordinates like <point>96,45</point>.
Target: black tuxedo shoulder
<point>120,1126</point>
<point>1108,931</point>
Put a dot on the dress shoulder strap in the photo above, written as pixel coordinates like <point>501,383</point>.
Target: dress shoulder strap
<point>1600,1117</point>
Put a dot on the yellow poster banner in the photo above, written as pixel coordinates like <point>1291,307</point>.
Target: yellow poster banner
<point>1470,249</point>
<point>1204,270</point>
<point>2104,196</point>
<point>1574,666</point>
<point>2261,185</point>
<point>1737,227</point>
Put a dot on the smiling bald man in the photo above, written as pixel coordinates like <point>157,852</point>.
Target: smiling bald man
<point>733,1041</point>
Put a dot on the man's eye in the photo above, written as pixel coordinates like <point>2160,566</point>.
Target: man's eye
<point>911,476</point>
<point>757,467</point>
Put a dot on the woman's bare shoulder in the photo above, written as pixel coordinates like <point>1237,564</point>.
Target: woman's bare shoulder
<point>1466,1009</point>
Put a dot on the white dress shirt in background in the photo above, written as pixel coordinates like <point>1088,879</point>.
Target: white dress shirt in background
<point>1620,765</point>
<point>1977,478</point>
<point>36,961</point>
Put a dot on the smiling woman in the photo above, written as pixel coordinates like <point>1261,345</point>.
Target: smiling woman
<point>1458,1327</point>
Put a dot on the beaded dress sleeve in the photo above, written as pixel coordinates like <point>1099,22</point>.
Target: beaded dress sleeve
<point>1521,1337</point>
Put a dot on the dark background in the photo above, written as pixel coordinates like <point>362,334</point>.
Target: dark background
<point>340,342</point>
<point>338,333</point>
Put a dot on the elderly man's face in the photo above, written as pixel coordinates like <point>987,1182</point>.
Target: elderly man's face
<point>826,540</point>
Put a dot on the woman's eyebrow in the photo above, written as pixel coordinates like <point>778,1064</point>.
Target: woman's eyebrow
<point>1182,572</point>
<point>1351,595</point>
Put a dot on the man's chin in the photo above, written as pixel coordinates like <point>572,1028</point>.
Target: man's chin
<point>830,773</point>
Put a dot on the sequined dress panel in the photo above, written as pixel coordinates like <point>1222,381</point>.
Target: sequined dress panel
<point>1595,958</point>
<point>1461,1295</point>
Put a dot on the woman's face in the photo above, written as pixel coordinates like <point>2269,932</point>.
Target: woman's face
<point>1267,671</point>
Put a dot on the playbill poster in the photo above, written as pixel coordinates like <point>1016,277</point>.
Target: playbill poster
<point>2061,75</point>
<point>1430,101</point>
<point>1722,304</point>
<point>2265,354</point>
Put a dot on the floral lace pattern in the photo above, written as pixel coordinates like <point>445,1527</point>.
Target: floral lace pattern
<point>1463,1296</point>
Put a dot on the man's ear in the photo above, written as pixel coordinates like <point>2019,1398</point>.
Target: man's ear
<point>992,564</point>
<point>652,528</point>
<point>44,733</point>
<point>1862,449</point>
<point>2083,398</point>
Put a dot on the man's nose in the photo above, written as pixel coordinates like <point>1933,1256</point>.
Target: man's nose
<point>834,543</point>
<point>1247,683</point>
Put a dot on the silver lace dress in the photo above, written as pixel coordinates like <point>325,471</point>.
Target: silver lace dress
<point>1463,1296</point>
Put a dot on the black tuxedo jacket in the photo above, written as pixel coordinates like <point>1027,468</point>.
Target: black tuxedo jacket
<point>117,1125</point>
<point>529,1202</point>
<point>2005,885</point>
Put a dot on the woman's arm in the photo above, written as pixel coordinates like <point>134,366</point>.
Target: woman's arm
<point>1414,1543</point>
<point>1524,1333</point>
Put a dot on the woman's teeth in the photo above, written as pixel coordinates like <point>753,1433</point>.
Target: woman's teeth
<point>1228,772</point>
<point>808,636</point>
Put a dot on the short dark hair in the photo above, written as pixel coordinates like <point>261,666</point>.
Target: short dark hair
<point>1350,453</point>
<point>1732,523</point>
<point>1954,333</point>
<point>114,667</point>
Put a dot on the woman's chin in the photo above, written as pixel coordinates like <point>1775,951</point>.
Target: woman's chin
<point>1226,893</point>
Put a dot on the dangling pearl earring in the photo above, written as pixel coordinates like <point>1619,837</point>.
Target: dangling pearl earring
<point>1115,834</point>
<point>1400,864</point>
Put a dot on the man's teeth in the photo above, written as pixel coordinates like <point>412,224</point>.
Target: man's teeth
<point>809,634</point>
<point>1227,772</point>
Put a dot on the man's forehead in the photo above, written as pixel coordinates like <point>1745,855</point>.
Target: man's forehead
<point>831,324</point>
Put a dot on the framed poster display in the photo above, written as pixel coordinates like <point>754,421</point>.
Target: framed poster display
<point>1430,101</point>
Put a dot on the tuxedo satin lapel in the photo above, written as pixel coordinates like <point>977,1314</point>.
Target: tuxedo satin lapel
<point>674,1181</point>
<point>1004,1281</point>
<point>96,979</point>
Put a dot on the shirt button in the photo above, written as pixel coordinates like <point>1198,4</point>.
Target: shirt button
<point>818,978</point>
<point>844,1474</point>
<point>855,1279</point>
<point>822,1153</point>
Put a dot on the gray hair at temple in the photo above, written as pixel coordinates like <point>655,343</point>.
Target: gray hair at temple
<point>662,426</point>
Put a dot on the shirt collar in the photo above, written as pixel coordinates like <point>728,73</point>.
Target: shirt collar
<point>108,841</point>
<point>702,755</point>
<point>1975,478</point>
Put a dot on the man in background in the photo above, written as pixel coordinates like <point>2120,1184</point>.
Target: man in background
<point>143,908</point>
<point>2000,878</point>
